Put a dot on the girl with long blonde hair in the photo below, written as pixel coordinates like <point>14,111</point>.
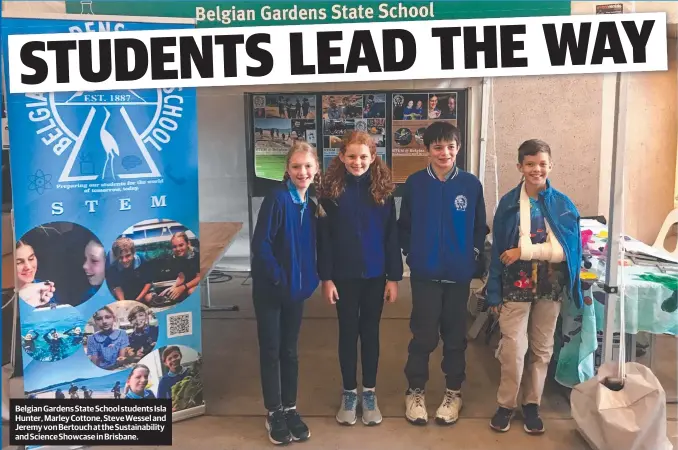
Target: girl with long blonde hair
<point>284,275</point>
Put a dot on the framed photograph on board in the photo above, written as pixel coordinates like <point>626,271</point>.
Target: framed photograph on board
<point>412,112</point>
<point>279,120</point>
<point>342,113</point>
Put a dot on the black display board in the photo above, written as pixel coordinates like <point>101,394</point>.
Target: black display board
<point>394,119</point>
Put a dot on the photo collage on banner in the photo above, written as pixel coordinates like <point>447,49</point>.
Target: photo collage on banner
<point>412,113</point>
<point>279,120</point>
<point>346,112</point>
<point>108,249</point>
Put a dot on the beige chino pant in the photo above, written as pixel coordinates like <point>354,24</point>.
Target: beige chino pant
<point>526,328</point>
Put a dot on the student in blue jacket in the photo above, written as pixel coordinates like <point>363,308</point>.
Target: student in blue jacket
<point>442,229</point>
<point>359,263</point>
<point>536,259</point>
<point>284,275</point>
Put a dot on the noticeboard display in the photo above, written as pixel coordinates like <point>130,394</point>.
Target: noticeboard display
<point>396,121</point>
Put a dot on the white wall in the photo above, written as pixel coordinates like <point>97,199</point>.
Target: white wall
<point>652,129</point>
<point>650,185</point>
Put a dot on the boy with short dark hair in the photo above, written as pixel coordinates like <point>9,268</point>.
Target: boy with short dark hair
<point>171,358</point>
<point>128,276</point>
<point>442,229</point>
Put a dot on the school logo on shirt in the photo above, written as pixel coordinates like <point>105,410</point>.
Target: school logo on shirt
<point>460,202</point>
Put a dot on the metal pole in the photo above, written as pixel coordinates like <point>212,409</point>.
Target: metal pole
<point>617,183</point>
<point>16,300</point>
<point>209,293</point>
<point>675,189</point>
<point>484,114</point>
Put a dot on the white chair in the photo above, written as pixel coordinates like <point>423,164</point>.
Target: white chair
<point>671,219</point>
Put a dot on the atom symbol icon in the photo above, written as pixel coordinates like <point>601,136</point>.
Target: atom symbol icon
<point>40,181</point>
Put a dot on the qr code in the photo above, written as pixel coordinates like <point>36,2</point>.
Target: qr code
<point>179,324</point>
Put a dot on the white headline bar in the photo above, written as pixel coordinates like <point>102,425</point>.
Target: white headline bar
<point>337,53</point>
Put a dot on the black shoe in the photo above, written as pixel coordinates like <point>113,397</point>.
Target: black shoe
<point>297,427</point>
<point>502,420</point>
<point>276,425</point>
<point>533,423</point>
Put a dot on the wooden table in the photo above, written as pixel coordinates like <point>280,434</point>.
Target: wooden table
<point>215,240</point>
<point>8,271</point>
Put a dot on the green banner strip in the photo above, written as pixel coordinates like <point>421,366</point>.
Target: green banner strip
<point>244,13</point>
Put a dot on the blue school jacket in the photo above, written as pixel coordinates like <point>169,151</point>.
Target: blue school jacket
<point>563,218</point>
<point>358,239</point>
<point>284,261</point>
<point>442,225</point>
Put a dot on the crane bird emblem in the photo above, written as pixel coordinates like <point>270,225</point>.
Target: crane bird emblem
<point>110,145</point>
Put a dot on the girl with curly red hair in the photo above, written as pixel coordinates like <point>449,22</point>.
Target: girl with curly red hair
<point>359,262</point>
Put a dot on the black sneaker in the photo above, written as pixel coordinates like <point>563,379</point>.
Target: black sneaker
<point>502,420</point>
<point>533,423</point>
<point>276,425</point>
<point>297,427</point>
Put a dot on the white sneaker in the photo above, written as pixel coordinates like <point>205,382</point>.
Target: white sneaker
<point>448,413</point>
<point>415,407</point>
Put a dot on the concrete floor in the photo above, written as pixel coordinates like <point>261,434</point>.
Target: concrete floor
<point>234,417</point>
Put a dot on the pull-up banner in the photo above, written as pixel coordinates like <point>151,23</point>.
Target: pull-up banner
<point>338,53</point>
<point>105,188</point>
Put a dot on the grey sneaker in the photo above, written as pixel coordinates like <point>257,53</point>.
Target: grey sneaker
<point>347,414</point>
<point>371,413</point>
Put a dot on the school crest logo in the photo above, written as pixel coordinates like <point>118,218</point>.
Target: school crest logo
<point>398,100</point>
<point>106,136</point>
<point>460,203</point>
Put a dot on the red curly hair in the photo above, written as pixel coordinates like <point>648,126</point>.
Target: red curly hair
<point>334,180</point>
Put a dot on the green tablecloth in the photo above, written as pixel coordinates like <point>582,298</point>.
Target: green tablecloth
<point>650,306</point>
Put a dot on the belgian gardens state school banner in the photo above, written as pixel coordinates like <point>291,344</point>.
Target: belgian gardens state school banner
<point>105,189</point>
<point>247,13</point>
